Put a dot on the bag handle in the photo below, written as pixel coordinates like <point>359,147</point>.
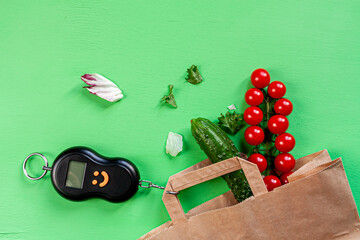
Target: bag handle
<point>179,182</point>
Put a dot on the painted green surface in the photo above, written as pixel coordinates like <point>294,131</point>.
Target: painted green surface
<point>45,46</point>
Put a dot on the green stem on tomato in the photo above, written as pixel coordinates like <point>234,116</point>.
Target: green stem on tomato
<point>267,119</point>
<point>267,108</point>
<point>266,148</point>
<point>268,139</point>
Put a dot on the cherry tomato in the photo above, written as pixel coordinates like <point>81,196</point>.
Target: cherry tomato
<point>271,182</point>
<point>278,124</point>
<point>284,178</point>
<point>283,106</point>
<point>260,78</point>
<point>259,160</point>
<point>284,162</point>
<point>254,135</point>
<point>285,142</point>
<point>254,97</point>
<point>253,115</point>
<point>276,89</point>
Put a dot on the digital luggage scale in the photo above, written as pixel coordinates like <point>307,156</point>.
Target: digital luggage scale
<point>80,173</point>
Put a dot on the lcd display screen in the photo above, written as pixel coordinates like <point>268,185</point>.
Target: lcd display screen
<point>75,174</point>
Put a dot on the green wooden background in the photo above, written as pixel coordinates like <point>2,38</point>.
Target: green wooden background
<point>45,46</point>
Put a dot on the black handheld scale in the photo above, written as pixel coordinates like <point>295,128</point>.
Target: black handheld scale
<point>80,173</point>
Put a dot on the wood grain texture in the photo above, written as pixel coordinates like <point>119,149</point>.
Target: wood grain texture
<point>45,46</point>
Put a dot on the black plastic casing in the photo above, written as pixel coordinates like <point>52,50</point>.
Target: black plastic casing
<point>123,175</point>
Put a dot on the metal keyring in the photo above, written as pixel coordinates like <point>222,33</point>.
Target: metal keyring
<point>45,168</point>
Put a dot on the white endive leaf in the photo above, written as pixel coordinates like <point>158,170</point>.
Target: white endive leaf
<point>102,87</point>
<point>174,144</point>
<point>232,107</point>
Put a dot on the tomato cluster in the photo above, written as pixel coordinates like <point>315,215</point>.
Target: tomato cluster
<point>267,124</point>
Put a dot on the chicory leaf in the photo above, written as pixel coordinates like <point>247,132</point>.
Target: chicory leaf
<point>194,76</point>
<point>102,87</point>
<point>231,123</point>
<point>232,107</point>
<point>170,99</point>
<point>174,144</point>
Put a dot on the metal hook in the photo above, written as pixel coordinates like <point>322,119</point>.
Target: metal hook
<point>149,184</point>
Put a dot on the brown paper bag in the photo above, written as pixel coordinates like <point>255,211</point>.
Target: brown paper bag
<point>316,204</point>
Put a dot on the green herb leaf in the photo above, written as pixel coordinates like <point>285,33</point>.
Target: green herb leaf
<point>231,122</point>
<point>193,76</point>
<point>170,99</point>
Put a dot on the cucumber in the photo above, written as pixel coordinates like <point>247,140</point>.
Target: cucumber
<point>218,146</point>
